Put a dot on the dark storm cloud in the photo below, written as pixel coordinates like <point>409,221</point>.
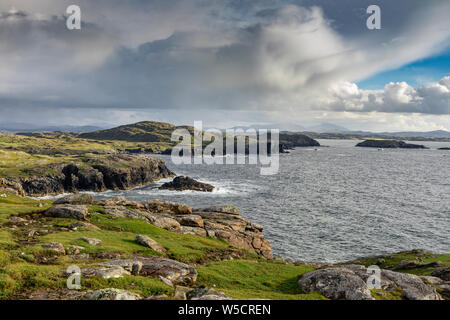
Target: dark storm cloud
<point>250,55</point>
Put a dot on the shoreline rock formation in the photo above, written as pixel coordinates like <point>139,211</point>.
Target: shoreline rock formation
<point>182,183</point>
<point>98,174</point>
<point>220,222</point>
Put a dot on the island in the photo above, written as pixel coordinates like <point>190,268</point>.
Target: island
<point>389,144</point>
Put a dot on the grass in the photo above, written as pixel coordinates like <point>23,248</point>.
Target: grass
<point>253,279</point>
<point>13,204</point>
<point>26,267</point>
<point>392,260</point>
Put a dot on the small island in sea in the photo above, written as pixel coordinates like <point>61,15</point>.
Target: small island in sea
<point>389,144</point>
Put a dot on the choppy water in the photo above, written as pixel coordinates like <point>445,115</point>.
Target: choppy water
<point>333,204</point>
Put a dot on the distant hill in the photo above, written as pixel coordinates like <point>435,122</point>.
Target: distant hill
<point>152,131</point>
<point>145,131</point>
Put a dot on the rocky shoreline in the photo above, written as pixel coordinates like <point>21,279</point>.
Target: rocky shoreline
<point>244,242</point>
<point>112,239</point>
<point>98,174</point>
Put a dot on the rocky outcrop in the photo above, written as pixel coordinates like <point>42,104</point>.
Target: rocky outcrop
<point>68,211</point>
<point>11,186</point>
<point>113,294</point>
<point>147,266</point>
<point>177,272</point>
<point>112,171</point>
<point>186,293</point>
<point>182,183</point>
<point>91,241</point>
<point>336,284</point>
<point>389,144</point>
<point>350,283</point>
<point>76,199</point>
<point>220,222</point>
<point>442,273</point>
<point>54,246</point>
<point>150,243</point>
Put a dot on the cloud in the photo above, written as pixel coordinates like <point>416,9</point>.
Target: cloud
<point>394,98</point>
<point>275,58</point>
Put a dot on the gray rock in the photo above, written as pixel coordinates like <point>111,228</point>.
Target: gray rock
<point>80,224</point>
<point>228,208</point>
<point>164,222</point>
<point>167,207</point>
<point>206,294</point>
<point>91,241</point>
<point>150,243</point>
<point>77,199</point>
<point>412,286</point>
<point>133,266</point>
<point>193,231</point>
<point>181,292</point>
<point>113,294</point>
<point>54,246</point>
<point>341,283</point>
<point>336,284</point>
<point>177,272</point>
<point>191,220</point>
<point>443,273</point>
<point>113,272</point>
<point>432,280</point>
<point>68,211</point>
<point>122,212</point>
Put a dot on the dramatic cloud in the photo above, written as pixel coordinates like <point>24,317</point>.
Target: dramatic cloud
<point>396,97</point>
<point>272,58</point>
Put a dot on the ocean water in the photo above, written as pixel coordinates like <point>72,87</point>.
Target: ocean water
<point>332,204</point>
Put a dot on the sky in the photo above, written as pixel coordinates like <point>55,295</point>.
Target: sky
<point>227,63</point>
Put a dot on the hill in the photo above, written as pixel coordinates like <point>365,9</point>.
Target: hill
<point>145,131</point>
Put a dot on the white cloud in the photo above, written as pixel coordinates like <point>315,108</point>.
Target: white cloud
<point>396,97</point>
<point>274,60</point>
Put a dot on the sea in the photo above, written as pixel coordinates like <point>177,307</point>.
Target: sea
<point>333,203</point>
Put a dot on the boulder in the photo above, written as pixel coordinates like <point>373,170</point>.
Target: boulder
<point>193,231</point>
<point>11,186</point>
<point>228,208</point>
<point>185,293</point>
<point>150,243</point>
<point>91,241</point>
<point>112,272</point>
<point>177,272</point>
<point>132,266</point>
<point>80,224</point>
<point>167,207</point>
<point>113,294</point>
<point>182,183</point>
<point>190,220</point>
<point>336,284</point>
<point>164,222</point>
<point>68,211</point>
<point>54,246</point>
<point>342,283</point>
<point>76,199</point>
<point>122,212</point>
<point>442,273</point>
